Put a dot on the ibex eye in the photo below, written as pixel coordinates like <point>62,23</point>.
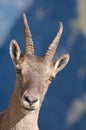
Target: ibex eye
<point>18,71</point>
<point>51,78</point>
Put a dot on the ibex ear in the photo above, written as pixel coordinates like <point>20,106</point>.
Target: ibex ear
<point>61,63</point>
<point>15,51</point>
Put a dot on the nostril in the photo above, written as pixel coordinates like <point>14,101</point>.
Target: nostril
<point>26,98</point>
<point>35,100</point>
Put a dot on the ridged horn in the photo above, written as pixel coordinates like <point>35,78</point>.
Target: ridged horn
<point>53,46</point>
<point>29,47</point>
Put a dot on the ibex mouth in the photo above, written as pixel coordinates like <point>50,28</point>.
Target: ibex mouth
<point>29,109</point>
<point>26,110</point>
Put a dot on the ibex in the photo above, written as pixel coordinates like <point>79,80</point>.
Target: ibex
<point>33,76</point>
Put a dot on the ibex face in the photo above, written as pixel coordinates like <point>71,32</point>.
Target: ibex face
<point>33,73</point>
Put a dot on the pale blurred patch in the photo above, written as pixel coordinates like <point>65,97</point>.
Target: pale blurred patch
<point>40,13</point>
<point>76,110</point>
<point>78,25</point>
<point>10,10</point>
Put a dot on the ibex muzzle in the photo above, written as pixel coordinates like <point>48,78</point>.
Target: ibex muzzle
<point>33,73</point>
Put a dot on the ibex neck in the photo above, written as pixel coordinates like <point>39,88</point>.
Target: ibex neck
<point>14,119</point>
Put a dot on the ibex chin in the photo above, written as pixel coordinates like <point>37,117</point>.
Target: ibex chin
<point>33,76</point>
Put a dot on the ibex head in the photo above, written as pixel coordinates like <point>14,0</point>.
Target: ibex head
<point>33,73</point>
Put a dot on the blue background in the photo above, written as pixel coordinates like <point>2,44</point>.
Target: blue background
<point>64,107</point>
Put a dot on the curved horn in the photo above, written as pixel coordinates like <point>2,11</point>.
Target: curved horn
<point>29,48</point>
<point>53,46</point>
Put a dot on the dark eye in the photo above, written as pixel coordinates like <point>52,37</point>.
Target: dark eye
<point>51,78</point>
<point>18,71</point>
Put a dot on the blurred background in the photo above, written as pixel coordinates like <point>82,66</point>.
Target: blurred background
<point>64,107</point>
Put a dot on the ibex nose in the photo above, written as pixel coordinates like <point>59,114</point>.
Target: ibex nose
<point>30,100</point>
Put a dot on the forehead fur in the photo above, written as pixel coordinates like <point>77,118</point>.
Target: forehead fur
<point>35,65</point>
